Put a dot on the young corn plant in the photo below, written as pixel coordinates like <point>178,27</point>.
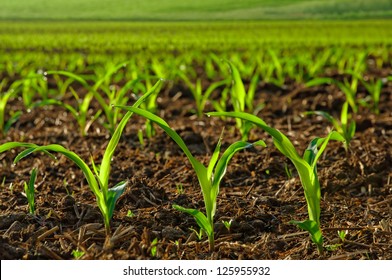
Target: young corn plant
<point>279,78</point>
<point>32,84</point>
<point>150,105</point>
<point>80,112</point>
<point>241,100</point>
<point>349,88</point>
<point>114,96</point>
<point>342,126</point>
<point>306,167</point>
<point>14,116</point>
<point>62,85</point>
<point>201,96</point>
<point>374,87</point>
<point>209,177</point>
<point>97,178</point>
<point>317,65</point>
<point>220,105</point>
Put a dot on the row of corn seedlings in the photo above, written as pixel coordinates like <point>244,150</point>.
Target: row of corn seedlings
<point>210,176</point>
<point>105,84</point>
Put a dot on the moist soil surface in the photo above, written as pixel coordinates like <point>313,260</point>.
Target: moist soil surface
<point>259,195</point>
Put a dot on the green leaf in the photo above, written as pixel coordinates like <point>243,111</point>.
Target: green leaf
<point>238,90</point>
<point>333,135</point>
<point>74,76</point>
<point>276,62</point>
<point>313,228</point>
<point>251,92</point>
<point>29,151</point>
<point>223,162</point>
<point>319,82</point>
<point>174,135</point>
<point>107,157</point>
<point>70,155</point>
<point>13,119</point>
<point>12,145</point>
<point>344,115</point>
<point>221,168</point>
<point>351,131</point>
<point>238,95</point>
<point>51,101</point>
<point>200,169</point>
<point>200,218</point>
<point>350,96</point>
<point>326,116</point>
<point>113,194</point>
<point>214,158</point>
<point>209,91</point>
<point>30,191</point>
<point>283,144</point>
<point>94,166</point>
<point>4,97</point>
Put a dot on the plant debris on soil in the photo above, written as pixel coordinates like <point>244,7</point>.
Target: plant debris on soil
<point>260,193</point>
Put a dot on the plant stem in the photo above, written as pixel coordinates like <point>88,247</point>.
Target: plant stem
<point>211,241</point>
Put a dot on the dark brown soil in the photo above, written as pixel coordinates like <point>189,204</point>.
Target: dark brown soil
<point>256,194</point>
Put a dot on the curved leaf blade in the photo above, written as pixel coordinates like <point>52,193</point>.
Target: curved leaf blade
<point>107,157</point>
<point>200,218</point>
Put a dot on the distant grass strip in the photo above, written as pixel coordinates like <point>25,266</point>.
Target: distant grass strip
<point>194,10</point>
<point>217,36</point>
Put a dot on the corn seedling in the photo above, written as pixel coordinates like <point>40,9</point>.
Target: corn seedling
<point>30,191</point>
<point>209,177</point>
<point>289,174</point>
<point>114,96</point>
<point>80,113</point>
<point>316,66</point>
<point>14,116</point>
<point>118,95</point>
<point>295,69</point>
<point>77,254</point>
<point>347,87</point>
<point>374,87</point>
<point>33,83</point>
<point>130,214</point>
<point>198,233</point>
<point>227,224</point>
<point>97,178</point>
<point>62,85</point>
<point>209,67</point>
<point>306,167</point>
<point>180,188</point>
<point>345,129</point>
<point>153,247</point>
<point>240,99</point>
<point>201,96</point>
<point>140,136</point>
<point>221,104</point>
<point>342,234</point>
<point>151,106</point>
<point>279,78</point>
<point>350,88</point>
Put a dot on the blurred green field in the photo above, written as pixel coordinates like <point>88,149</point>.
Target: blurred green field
<point>128,37</point>
<point>193,10</point>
